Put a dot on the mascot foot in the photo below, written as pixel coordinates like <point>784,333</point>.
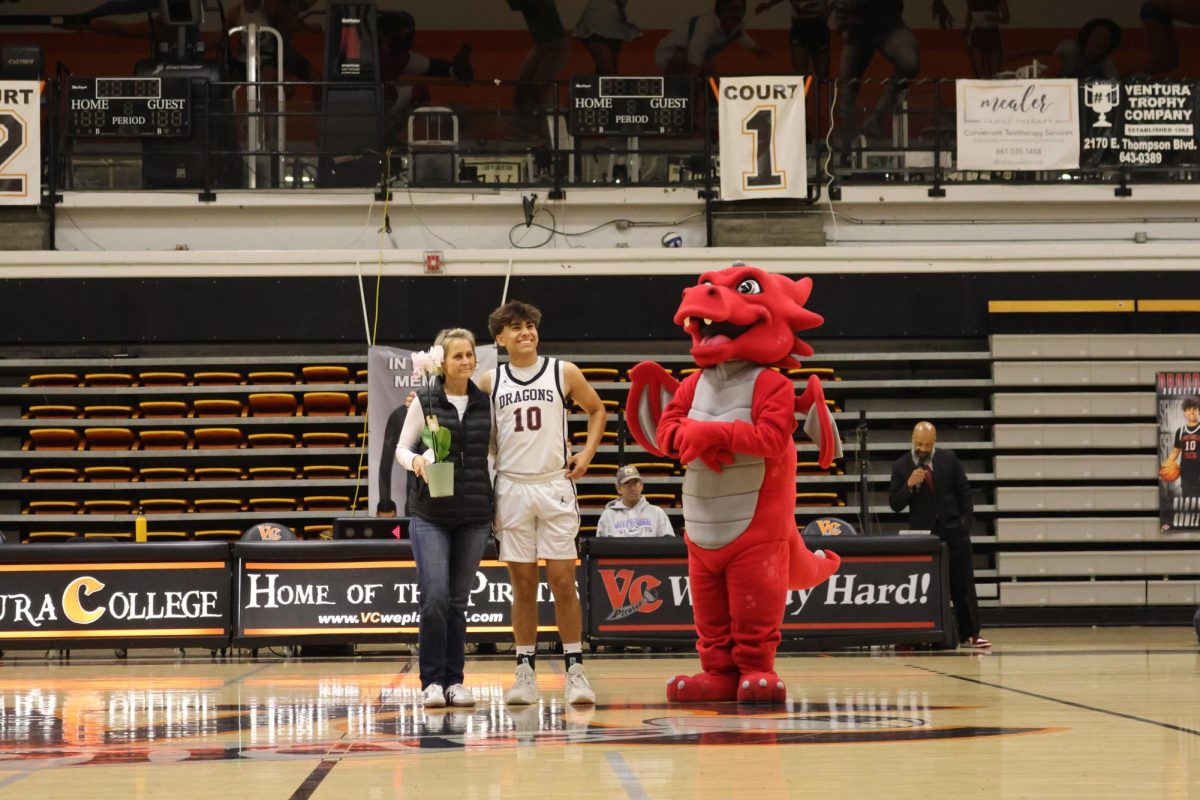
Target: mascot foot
<point>703,687</point>
<point>761,687</point>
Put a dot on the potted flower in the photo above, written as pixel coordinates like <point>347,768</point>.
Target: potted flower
<point>440,473</point>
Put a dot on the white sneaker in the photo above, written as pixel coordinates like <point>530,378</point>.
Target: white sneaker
<point>460,696</point>
<point>434,697</point>
<point>579,691</point>
<point>525,691</point>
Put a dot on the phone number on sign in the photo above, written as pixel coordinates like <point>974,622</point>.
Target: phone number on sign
<point>1141,157</point>
<point>1018,151</point>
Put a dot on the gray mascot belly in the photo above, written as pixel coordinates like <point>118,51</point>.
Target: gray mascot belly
<point>718,506</point>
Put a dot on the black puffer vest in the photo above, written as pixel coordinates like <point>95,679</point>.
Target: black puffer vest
<point>472,498</point>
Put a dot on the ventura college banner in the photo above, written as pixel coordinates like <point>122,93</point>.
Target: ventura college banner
<point>1018,125</point>
<point>763,151</point>
<point>1179,451</point>
<point>390,379</point>
<point>20,143</point>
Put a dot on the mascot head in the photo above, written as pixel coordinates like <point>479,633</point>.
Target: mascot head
<point>744,313</point>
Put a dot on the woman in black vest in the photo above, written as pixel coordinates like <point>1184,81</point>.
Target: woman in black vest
<point>448,533</point>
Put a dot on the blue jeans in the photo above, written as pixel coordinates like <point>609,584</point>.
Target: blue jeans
<point>447,559</point>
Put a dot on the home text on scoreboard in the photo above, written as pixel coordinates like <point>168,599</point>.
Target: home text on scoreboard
<point>602,105</point>
<point>129,107</point>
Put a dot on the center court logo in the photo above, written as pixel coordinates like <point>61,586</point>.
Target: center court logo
<point>629,593</point>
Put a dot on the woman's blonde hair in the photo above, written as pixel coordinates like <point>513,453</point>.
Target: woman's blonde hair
<point>446,334</point>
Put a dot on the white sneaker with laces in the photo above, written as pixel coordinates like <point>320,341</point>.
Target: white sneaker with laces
<point>460,696</point>
<point>525,690</point>
<point>433,696</point>
<point>579,691</point>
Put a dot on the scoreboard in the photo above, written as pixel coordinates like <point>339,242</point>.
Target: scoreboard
<point>129,107</point>
<point>603,105</point>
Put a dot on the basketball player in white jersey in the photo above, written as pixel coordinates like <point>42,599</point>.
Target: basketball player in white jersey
<point>536,513</point>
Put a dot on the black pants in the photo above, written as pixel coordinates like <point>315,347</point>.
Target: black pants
<point>962,581</point>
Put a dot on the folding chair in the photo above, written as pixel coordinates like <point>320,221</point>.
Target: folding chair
<point>53,439</point>
<point>108,412</point>
<point>162,474</point>
<point>52,475</point>
<point>326,472</point>
<point>217,505</point>
<point>54,379</point>
<point>163,408</point>
<point>271,504</point>
<point>321,502</point>
<point>108,379</point>
<point>272,473</point>
<point>162,378</point>
<point>271,376</point>
<point>325,404</point>
<point>52,507</point>
<point>217,407</point>
<point>325,374</point>
<point>219,438</point>
<point>217,378</point>
<point>51,412</point>
<point>164,440</point>
<point>218,473</point>
<point>110,506</point>
<point>271,440</point>
<point>272,404</point>
<point>163,505</point>
<point>108,473</point>
<point>325,439</point>
<point>109,438</point>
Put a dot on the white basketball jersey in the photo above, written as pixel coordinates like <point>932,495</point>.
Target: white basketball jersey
<point>530,410</point>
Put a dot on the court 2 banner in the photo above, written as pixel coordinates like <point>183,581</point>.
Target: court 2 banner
<point>1178,395</point>
<point>1139,124</point>
<point>389,380</point>
<point>763,141</point>
<point>1018,124</point>
<point>20,143</point>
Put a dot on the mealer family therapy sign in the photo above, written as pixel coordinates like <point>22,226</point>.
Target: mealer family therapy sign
<point>1018,124</point>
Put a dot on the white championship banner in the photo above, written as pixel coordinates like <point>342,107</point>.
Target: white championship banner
<point>20,143</point>
<point>1018,125</point>
<point>763,142</point>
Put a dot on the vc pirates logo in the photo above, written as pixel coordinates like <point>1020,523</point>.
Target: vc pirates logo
<point>629,593</point>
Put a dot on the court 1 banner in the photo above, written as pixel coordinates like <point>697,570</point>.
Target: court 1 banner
<point>1151,123</point>
<point>1179,451</point>
<point>20,143</point>
<point>1018,124</point>
<point>389,380</point>
<point>763,143</point>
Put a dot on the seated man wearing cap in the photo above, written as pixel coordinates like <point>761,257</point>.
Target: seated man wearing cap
<point>632,514</point>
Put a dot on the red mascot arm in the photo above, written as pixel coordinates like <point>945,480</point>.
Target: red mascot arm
<point>651,388</point>
<point>827,439</point>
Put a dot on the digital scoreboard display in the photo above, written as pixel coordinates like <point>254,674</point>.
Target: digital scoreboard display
<point>129,107</point>
<point>603,105</point>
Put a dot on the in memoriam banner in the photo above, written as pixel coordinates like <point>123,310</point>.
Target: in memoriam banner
<point>20,143</point>
<point>1142,124</point>
<point>763,144</point>
<point>1018,124</point>
<point>1179,451</point>
<point>389,380</point>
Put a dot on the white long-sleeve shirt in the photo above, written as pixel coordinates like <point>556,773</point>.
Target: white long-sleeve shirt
<point>410,433</point>
<point>642,520</point>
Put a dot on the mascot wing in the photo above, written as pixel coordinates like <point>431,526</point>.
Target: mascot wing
<point>819,424</point>
<point>652,387</point>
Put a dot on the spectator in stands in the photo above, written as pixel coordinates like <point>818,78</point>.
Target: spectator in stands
<point>604,28</point>
<point>1158,18</point>
<point>868,26</point>
<point>1089,55</point>
<point>809,37</point>
<point>448,533</point>
<point>543,64</point>
<point>982,32</point>
<point>632,514</point>
<point>397,32</point>
<point>690,50</point>
<point>931,483</point>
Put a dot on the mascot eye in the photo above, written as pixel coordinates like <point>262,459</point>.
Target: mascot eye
<point>749,286</point>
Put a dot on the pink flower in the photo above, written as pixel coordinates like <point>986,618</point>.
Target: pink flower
<point>428,362</point>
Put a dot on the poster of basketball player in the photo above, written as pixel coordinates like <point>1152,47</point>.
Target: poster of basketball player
<point>1179,451</point>
<point>390,379</point>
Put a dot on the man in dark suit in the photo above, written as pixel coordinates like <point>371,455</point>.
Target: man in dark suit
<point>932,484</point>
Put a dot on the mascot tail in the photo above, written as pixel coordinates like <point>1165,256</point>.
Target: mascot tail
<point>806,569</point>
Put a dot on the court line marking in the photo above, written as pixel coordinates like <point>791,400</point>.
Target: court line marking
<point>629,782</point>
<point>1060,701</point>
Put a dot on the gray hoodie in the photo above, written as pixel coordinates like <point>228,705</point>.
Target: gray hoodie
<point>641,520</point>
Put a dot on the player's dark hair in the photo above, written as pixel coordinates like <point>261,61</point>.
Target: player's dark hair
<point>510,312</point>
<point>1190,402</point>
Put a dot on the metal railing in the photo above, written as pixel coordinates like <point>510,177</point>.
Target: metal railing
<point>438,133</point>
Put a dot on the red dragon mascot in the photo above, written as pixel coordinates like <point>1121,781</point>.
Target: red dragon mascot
<point>731,423</point>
